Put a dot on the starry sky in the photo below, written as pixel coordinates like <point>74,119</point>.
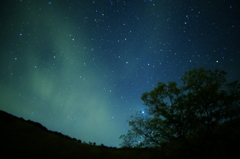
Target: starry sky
<point>79,67</point>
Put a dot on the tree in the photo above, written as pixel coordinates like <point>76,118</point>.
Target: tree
<point>186,114</point>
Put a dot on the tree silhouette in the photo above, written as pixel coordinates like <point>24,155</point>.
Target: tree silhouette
<point>186,115</point>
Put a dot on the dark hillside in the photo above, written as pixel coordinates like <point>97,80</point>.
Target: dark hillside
<point>31,140</point>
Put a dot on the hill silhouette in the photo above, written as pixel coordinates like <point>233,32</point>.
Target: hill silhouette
<point>30,139</point>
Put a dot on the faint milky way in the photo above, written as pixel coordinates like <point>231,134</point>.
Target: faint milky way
<point>80,67</point>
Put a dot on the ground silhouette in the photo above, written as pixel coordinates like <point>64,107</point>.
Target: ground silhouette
<point>28,139</point>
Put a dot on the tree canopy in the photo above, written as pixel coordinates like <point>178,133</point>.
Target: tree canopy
<point>189,113</point>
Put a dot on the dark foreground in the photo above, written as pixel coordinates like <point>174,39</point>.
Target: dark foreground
<point>20,138</point>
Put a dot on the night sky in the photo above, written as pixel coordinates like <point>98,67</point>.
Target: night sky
<point>79,67</point>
